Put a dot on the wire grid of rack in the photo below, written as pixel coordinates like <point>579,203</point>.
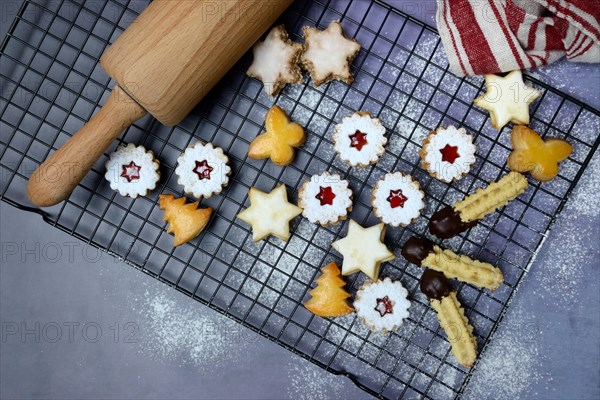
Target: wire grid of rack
<point>52,84</point>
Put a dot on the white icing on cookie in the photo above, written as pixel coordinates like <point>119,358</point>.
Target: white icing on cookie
<point>507,99</point>
<point>371,300</point>
<point>276,61</point>
<point>132,171</point>
<point>203,160</point>
<point>320,211</point>
<point>397,199</point>
<point>349,139</point>
<point>328,54</point>
<point>460,153</point>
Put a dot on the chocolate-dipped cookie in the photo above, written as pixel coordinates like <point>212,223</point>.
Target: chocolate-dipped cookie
<point>451,316</point>
<point>425,253</point>
<point>450,221</point>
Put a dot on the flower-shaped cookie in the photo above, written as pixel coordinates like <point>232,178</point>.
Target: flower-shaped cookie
<point>280,139</point>
<point>533,154</point>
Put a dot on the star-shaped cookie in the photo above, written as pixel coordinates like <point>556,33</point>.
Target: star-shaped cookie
<point>363,249</point>
<point>328,54</point>
<point>280,139</point>
<point>507,99</point>
<point>276,61</point>
<point>269,213</point>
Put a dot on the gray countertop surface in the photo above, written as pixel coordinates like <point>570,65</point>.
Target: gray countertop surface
<point>77,323</point>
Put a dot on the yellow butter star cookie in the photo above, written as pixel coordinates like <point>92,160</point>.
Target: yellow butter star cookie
<point>269,213</point>
<point>363,249</point>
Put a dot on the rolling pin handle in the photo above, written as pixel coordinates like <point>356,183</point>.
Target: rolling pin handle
<point>55,179</point>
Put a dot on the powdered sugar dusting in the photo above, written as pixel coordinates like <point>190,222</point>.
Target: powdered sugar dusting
<point>509,366</point>
<point>180,331</point>
<point>308,382</point>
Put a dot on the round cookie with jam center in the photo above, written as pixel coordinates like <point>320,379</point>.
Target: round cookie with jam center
<point>325,199</point>
<point>132,171</point>
<point>203,170</point>
<point>448,153</point>
<point>382,305</point>
<point>397,199</point>
<point>359,139</point>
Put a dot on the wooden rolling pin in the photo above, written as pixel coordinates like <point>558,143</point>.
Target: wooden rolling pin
<point>163,64</point>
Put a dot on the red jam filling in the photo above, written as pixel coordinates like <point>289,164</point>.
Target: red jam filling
<point>358,140</point>
<point>449,153</point>
<point>131,171</point>
<point>325,195</point>
<point>397,198</point>
<point>203,170</point>
<point>384,306</point>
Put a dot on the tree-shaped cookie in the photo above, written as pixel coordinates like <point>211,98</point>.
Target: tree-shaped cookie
<point>329,298</point>
<point>280,139</point>
<point>186,221</point>
<point>532,153</point>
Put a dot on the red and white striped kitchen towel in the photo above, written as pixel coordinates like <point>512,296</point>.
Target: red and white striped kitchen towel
<point>488,36</point>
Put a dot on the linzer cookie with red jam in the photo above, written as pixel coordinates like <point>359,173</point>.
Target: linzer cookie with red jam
<point>450,221</point>
<point>397,199</point>
<point>203,170</point>
<point>448,153</point>
<point>328,54</point>
<point>276,61</point>
<point>382,305</point>
<point>451,315</point>
<point>325,199</point>
<point>425,253</point>
<point>132,171</point>
<point>359,139</point>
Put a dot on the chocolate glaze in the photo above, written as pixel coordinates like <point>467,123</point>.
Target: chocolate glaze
<point>446,223</point>
<point>434,285</point>
<point>417,249</point>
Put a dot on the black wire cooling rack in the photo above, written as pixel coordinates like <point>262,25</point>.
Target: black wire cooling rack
<point>52,83</point>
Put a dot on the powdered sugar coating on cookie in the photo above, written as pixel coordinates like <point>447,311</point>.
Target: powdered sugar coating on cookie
<point>359,139</point>
<point>203,170</point>
<point>397,199</point>
<point>382,305</point>
<point>448,153</point>
<point>325,199</point>
<point>276,60</point>
<point>132,171</point>
<point>328,54</point>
